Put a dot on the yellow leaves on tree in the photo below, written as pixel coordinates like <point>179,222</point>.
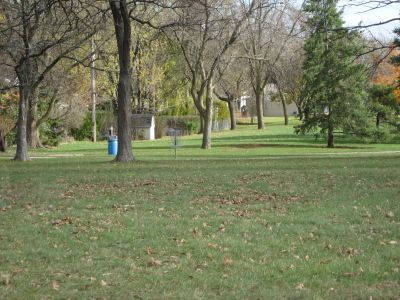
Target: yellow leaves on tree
<point>8,108</point>
<point>6,124</point>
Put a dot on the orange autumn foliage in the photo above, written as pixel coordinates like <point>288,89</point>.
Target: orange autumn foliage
<point>388,74</point>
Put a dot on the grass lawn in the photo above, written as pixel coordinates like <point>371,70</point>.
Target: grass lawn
<point>264,214</point>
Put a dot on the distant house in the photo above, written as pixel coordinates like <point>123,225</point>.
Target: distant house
<point>271,108</point>
<point>275,108</point>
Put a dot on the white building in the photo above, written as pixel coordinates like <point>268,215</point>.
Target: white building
<point>143,126</point>
<point>271,108</point>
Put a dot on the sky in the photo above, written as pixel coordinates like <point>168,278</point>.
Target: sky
<point>354,15</point>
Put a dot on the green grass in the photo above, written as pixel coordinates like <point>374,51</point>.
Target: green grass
<point>264,214</point>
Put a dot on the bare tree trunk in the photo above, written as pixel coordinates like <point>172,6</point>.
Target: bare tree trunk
<point>93,91</point>
<point>377,121</point>
<point>285,111</point>
<point>3,143</point>
<point>259,107</point>
<point>330,137</point>
<point>301,114</point>
<point>282,96</point>
<point>32,135</point>
<point>232,113</point>
<point>201,129</point>
<point>123,36</point>
<point>22,145</point>
<point>32,131</point>
<point>207,125</point>
<point>306,113</point>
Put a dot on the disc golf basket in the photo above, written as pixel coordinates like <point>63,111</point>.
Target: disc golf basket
<point>175,135</point>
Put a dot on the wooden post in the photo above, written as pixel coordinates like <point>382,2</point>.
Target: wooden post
<point>93,90</point>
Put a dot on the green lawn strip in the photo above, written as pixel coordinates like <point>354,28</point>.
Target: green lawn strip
<point>206,228</point>
<point>245,142</point>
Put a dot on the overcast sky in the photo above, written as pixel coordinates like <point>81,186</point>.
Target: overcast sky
<point>354,15</point>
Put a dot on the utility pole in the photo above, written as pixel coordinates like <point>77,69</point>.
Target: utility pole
<point>93,89</point>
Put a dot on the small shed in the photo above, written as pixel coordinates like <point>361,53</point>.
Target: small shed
<point>145,124</point>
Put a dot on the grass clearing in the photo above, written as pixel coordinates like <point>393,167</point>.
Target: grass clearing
<point>235,222</point>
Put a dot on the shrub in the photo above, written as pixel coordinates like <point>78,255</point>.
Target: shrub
<point>379,134</point>
<point>51,133</point>
<point>187,124</point>
<point>221,108</point>
<point>85,131</point>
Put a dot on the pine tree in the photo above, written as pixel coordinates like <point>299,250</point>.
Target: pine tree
<point>334,87</point>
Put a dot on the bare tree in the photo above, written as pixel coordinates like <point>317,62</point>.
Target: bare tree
<point>208,28</point>
<point>231,84</point>
<point>370,5</point>
<point>270,28</point>
<point>37,35</point>
<point>287,76</point>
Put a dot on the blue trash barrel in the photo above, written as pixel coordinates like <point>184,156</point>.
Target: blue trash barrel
<point>112,145</point>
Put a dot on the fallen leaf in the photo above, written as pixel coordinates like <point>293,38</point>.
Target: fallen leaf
<point>351,274</point>
<point>228,261</point>
<point>390,214</point>
<point>300,286</point>
<point>154,262</point>
<point>211,245</point>
<point>5,279</point>
<point>55,285</point>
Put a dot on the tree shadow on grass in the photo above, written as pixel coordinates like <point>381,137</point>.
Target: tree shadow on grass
<point>282,138</point>
<point>215,144</point>
<point>267,138</point>
<point>256,145</point>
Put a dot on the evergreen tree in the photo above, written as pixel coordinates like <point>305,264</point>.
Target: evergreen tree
<point>383,104</point>
<point>396,45</point>
<point>334,87</point>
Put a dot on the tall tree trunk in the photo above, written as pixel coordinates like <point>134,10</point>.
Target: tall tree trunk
<point>377,122</point>
<point>283,100</point>
<point>285,111</point>
<point>3,143</point>
<point>330,137</point>
<point>301,114</point>
<point>260,110</point>
<point>306,113</point>
<point>32,131</point>
<point>93,91</point>
<point>207,127</point>
<point>22,145</point>
<point>32,135</point>
<point>123,36</point>
<point>232,113</point>
<point>201,129</point>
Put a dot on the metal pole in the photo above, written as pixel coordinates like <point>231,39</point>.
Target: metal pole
<point>93,89</point>
<point>175,142</point>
